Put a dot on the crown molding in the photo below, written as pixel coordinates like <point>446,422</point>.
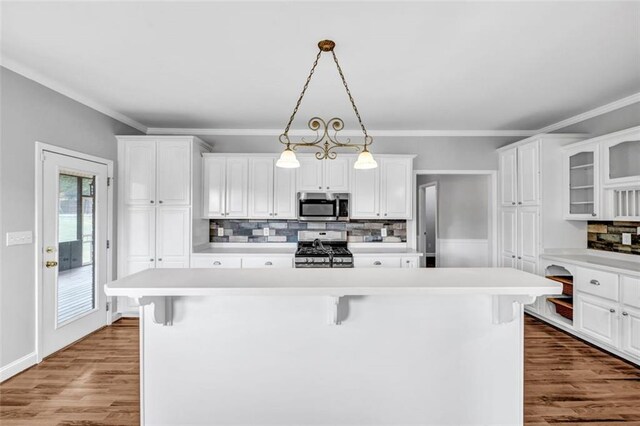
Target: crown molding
<point>70,93</point>
<point>620,103</point>
<point>346,132</point>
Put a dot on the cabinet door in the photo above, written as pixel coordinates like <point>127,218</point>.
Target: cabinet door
<point>630,331</point>
<point>237,199</point>
<point>597,318</point>
<point>508,177</point>
<point>310,174</point>
<point>528,219</point>
<point>528,174</point>
<point>214,172</point>
<point>139,240</point>
<point>172,237</point>
<point>365,195</point>
<point>409,262</point>
<point>139,172</point>
<point>276,262</point>
<point>581,183</point>
<point>508,236</point>
<point>284,193</point>
<point>377,262</point>
<point>336,174</point>
<point>173,173</point>
<point>395,182</point>
<point>261,188</point>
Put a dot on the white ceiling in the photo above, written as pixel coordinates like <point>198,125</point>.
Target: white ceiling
<point>418,65</point>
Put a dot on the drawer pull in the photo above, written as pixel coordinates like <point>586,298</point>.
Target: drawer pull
<point>594,282</point>
<point>217,263</point>
<point>377,263</point>
<point>612,310</point>
<point>625,313</point>
<point>268,263</point>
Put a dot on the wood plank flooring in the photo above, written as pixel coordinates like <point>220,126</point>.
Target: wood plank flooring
<point>95,382</point>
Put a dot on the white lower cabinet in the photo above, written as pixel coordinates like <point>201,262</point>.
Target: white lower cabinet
<point>598,318</point>
<point>244,262</point>
<point>267,262</point>
<point>630,332</point>
<point>172,241</point>
<point>216,262</point>
<point>377,262</point>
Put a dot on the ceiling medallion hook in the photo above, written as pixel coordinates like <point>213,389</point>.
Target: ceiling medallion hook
<point>324,142</point>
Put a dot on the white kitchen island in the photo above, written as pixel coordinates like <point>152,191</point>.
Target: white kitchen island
<point>332,346</point>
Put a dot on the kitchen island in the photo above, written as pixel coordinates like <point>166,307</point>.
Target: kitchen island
<point>332,346</point>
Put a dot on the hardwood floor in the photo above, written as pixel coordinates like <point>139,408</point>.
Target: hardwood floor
<point>95,382</point>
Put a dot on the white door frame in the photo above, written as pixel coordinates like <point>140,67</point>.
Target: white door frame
<point>421,201</point>
<point>39,156</point>
<point>493,214</point>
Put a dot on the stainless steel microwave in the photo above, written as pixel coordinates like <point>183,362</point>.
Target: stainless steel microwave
<point>323,206</point>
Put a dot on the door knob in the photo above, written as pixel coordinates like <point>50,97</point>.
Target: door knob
<point>51,264</point>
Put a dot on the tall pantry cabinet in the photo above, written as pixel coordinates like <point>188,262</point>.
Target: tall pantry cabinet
<point>530,215</point>
<point>159,204</point>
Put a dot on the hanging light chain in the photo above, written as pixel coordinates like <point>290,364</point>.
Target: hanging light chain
<point>304,89</point>
<point>353,103</point>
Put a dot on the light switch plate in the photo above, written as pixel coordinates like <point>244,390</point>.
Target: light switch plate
<point>220,232</point>
<point>23,237</point>
<point>626,238</point>
<point>383,232</point>
<point>265,232</point>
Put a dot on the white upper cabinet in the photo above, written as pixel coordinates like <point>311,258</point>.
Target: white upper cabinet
<point>365,195</point>
<point>261,188</point>
<point>215,173</point>
<point>172,237</point>
<point>226,187</point>
<point>508,177</point>
<point>323,175</point>
<point>139,172</point>
<point>520,175</point>
<point>237,197</point>
<point>173,173</point>
<point>581,182</point>
<point>310,174</point>
<point>395,182</point>
<point>621,155</point>
<point>284,193</point>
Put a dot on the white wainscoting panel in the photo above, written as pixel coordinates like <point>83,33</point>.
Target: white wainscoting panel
<point>459,253</point>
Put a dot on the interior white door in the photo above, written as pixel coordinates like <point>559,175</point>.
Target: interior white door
<point>508,236</point>
<point>528,174</point>
<point>528,220</point>
<point>336,174</point>
<point>214,197</point>
<point>284,193</point>
<point>140,172</point>
<point>74,235</point>
<point>310,174</point>
<point>508,177</point>
<point>139,240</point>
<point>172,237</point>
<point>261,188</point>
<point>237,199</point>
<point>395,182</point>
<point>173,172</point>
<point>366,194</point>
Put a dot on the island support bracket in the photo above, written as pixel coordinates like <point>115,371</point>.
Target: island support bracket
<point>506,307</point>
<point>162,308</point>
<point>333,302</point>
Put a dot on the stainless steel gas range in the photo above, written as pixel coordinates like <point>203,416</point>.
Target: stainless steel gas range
<point>323,249</point>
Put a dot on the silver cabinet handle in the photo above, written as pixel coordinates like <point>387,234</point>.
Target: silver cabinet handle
<point>593,214</point>
<point>160,202</point>
<point>385,214</point>
<point>625,313</point>
<point>217,263</point>
<point>377,214</point>
<point>513,203</point>
<point>327,187</point>
<point>377,263</point>
<point>268,263</point>
<point>275,214</point>
<point>319,187</point>
<point>519,202</point>
<point>151,201</point>
<point>594,282</point>
<point>513,256</point>
<point>160,260</point>
<point>519,258</point>
<point>150,260</point>
<point>612,310</point>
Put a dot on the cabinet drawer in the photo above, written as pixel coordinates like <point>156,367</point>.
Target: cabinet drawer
<point>599,283</point>
<point>377,262</point>
<point>267,262</point>
<point>631,291</point>
<point>216,262</point>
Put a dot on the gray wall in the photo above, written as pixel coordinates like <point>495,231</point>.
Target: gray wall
<point>31,112</point>
<point>463,205</point>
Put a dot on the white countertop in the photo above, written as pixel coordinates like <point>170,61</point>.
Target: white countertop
<point>289,250</point>
<point>607,263</point>
<point>331,282</point>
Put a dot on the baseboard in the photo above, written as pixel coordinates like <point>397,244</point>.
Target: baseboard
<point>18,366</point>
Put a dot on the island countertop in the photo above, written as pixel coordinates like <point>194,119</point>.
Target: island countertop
<point>331,282</point>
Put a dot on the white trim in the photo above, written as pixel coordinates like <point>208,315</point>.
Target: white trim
<point>346,132</point>
<point>17,366</point>
<point>68,92</point>
<point>40,147</point>
<point>570,137</point>
<point>421,200</point>
<point>612,106</point>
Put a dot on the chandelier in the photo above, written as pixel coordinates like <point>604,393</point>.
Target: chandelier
<point>326,141</point>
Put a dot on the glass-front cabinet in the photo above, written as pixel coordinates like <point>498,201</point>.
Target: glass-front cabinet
<point>622,159</point>
<point>581,182</point>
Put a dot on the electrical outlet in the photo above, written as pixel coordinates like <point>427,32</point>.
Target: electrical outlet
<point>220,232</point>
<point>15,238</point>
<point>626,238</point>
<point>383,232</point>
<point>265,232</point>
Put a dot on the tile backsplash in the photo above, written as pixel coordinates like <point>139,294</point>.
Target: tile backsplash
<point>286,231</point>
<point>607,236</point>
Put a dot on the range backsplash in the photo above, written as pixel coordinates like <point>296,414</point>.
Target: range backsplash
<point>286,231</point>
<point>607,236</point>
